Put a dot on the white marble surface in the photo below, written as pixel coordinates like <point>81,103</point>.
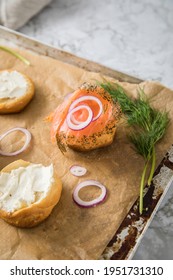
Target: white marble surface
<point>131,36</point>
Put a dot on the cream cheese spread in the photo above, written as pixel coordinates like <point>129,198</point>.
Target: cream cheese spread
<point>24,186</point>
<point>12,84</point>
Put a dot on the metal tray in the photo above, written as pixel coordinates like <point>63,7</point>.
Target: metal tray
<point>126,240</point>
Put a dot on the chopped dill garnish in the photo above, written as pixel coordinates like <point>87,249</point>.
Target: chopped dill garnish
<point>148,127</point>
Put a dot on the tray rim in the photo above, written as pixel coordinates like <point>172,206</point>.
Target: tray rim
<point>55,52</point>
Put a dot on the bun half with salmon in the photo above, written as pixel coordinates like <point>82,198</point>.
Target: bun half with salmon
<point>28,193</point>
<point>86,120</point>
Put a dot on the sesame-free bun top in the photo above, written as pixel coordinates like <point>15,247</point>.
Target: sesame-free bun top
<point>28,193</point>
<point>16,91</point>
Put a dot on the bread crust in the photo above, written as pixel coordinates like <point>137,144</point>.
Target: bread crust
<point>37,212</point>
<point>17,104</point>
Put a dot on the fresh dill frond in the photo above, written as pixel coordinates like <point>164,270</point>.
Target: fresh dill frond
<point>146,136</point>
<point>119,95</point>
<point>148,127</point>
<point>143,143</point>
<point>160,121</point>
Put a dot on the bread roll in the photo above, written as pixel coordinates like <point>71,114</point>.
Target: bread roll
<point>75,127</point>
<point>16,91</point>
<point>28,193</point>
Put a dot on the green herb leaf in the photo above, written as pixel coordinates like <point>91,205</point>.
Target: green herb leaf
<point>148,127</point>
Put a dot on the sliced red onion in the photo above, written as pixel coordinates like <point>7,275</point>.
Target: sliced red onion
<point>77,170</point>
<point>27,140</point>
<point>81,125</point>
<point>85,98</point>
<point>87,204</point>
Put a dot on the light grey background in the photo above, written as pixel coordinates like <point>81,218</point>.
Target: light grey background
<point>132,36</point>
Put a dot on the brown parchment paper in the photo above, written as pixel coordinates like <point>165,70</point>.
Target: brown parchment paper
<point>72,232</point>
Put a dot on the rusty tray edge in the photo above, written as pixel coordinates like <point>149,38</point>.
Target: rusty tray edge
<point>126,240</point>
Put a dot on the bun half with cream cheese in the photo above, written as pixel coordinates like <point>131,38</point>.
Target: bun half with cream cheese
<point>28,193</point>
<point>16,91</point>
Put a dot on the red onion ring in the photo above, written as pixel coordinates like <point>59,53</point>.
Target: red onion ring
<point>77,170</point>
<point>89,97</point>
<point>94,202</point>
<point>81,125</point>
<point>27,141</point>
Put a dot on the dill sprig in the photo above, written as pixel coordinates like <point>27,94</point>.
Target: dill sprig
<point>16,54</point>
<point>148,127</point>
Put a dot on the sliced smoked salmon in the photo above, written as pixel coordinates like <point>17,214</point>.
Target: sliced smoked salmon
<point>86,120</point>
